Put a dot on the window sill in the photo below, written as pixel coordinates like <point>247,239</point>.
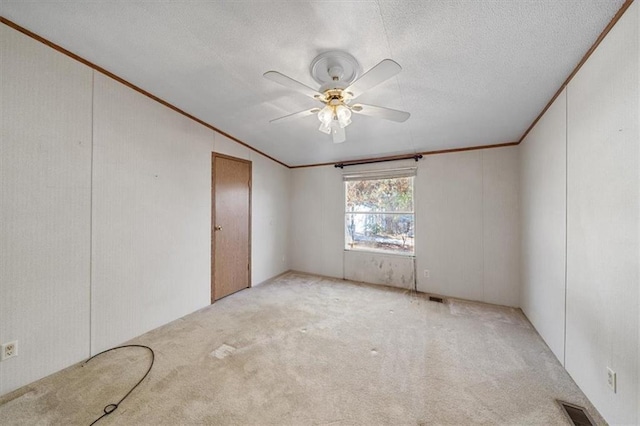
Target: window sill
<point>381,252</point>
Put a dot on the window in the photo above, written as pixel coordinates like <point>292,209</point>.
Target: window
<point>379,211</point>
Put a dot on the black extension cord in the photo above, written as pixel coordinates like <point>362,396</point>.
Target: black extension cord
<point>110,408</point>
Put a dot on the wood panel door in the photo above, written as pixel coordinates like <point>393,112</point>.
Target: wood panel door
<point>231,226</point>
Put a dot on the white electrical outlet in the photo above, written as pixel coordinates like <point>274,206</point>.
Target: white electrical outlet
<point>426,273</point>
<point>611,379</point>
<point>9,350</point>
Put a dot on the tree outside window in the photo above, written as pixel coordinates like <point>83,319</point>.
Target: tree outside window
<point>379,215</point>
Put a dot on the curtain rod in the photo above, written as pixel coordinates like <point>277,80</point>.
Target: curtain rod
<point>381,160</point>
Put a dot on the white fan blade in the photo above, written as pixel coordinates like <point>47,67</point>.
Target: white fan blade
<point>292,84</point>
<point>381,112</point>
<point>338,133</point>
<point>304,113</point>
<point>376,75</point>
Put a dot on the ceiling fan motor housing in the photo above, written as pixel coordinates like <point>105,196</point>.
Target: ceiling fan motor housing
<point>335,69</point>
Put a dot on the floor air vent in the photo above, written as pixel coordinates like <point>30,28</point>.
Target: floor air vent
<point>436,299</point>
<point>575,414</point>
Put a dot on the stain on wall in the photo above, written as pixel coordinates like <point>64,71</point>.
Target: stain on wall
<point>379,268</point>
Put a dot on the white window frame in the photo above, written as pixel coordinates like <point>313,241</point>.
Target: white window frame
<point>380,175</point>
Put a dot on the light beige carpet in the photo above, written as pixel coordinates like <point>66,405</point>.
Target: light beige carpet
<point>306,350</point>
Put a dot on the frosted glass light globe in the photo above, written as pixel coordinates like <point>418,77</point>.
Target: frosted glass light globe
<point>344,115</point>
<point>326,115</point>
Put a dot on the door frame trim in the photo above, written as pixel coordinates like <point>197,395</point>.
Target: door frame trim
<point>215,155</point>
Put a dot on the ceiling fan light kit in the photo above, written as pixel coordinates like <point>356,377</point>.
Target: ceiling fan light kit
<point>338,74</point>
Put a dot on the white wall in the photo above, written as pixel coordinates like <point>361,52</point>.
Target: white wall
<point>152,183</point>
<point>449,235</point>
<point>45,196</point>
<point>105,211</point>
<point>466,232</point>
<point>501,226</point>
<point>602,143</point>
<point>602,222</point>
<point>543,205</point>
<point>151,214</point>
<point>468,237</point>
<point>317,221</point>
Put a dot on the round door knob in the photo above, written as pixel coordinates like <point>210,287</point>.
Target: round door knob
<point>218,228</point>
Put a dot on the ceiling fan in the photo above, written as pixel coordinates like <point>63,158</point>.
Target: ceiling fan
<point>338,75</point>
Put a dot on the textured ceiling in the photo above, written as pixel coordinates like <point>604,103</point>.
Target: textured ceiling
<point>474,72</point>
